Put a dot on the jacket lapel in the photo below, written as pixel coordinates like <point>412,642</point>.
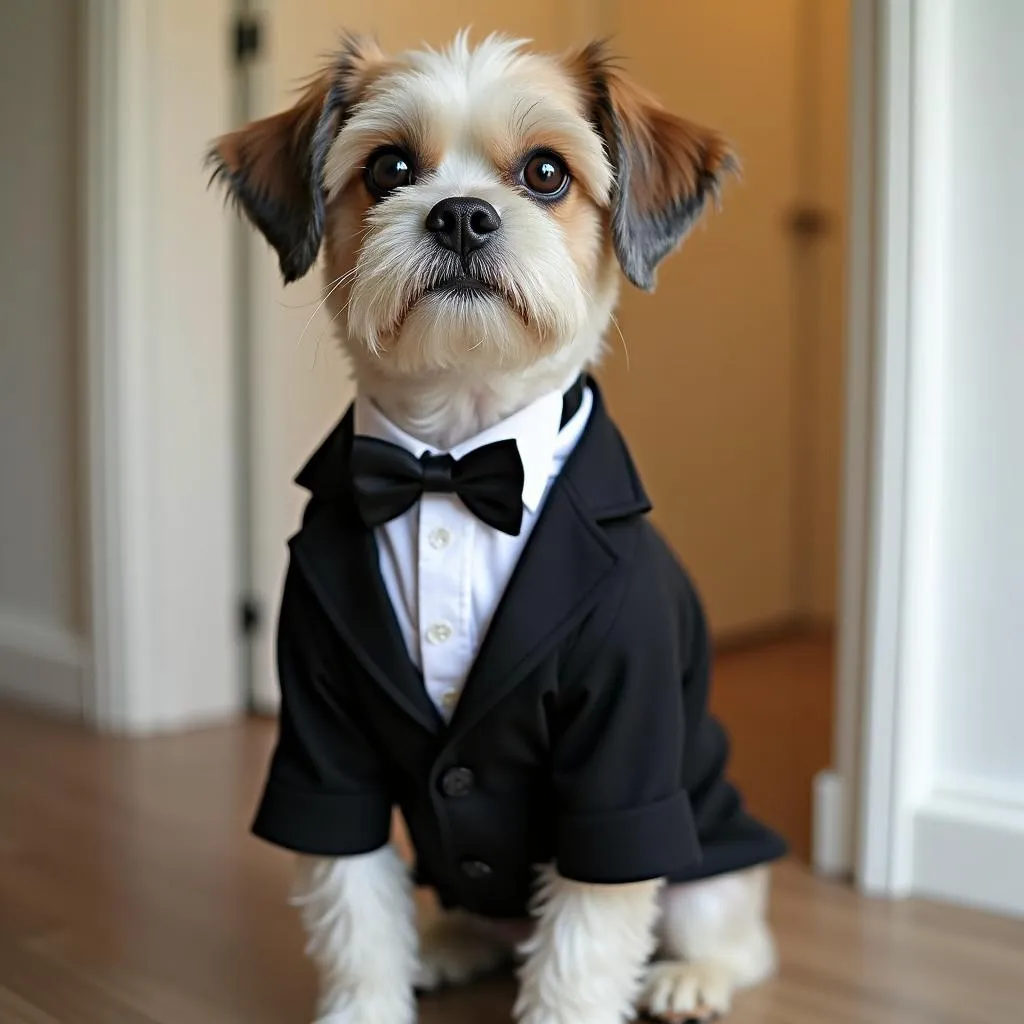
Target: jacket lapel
<point>560,574</point>
<point>339,557</point>
<point>557,580</point>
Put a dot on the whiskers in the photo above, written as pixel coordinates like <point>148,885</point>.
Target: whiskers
<point>331,287</point>
<point>622,338</point>
<point>326,328</point>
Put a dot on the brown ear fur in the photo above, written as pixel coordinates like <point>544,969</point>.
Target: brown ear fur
<point>273,168</point>
<point>665,167</point>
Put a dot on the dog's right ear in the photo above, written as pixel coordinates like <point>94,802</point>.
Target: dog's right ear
<point>666,168</point>
<point>273,168</point>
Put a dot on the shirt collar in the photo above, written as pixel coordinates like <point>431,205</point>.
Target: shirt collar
<point>535,430</point>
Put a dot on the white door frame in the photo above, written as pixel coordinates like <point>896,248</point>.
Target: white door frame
<point>901,279</point>
<point>113,301</point>
<point>900,101</point>
<point>897,44</point>
<point>156,369</point>
<point>837,790</point>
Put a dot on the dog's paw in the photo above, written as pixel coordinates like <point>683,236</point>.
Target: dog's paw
<point>453,952</point>
<point>675,992</point>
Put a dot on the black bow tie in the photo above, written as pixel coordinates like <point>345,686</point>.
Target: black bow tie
<point>388,480</point>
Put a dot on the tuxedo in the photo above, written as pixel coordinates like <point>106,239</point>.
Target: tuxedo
<point>581,736</point>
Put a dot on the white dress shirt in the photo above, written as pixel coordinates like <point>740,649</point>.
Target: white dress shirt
<point>445,570</point>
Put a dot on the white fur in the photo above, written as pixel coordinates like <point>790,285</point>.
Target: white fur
<point>360,922</point>
<point>714,938</point>
<point>721,919</point>
<point>443,366</point>
<point>585,960</point>
<point>398,262</point>
<point>444,408</point>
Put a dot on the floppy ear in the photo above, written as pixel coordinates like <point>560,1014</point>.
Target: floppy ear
<point>666,168</point>
<point>273,168</point>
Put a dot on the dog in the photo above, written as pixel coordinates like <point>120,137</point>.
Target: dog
<point>547,736</point>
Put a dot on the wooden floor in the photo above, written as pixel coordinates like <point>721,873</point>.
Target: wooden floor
<point>131,894</point>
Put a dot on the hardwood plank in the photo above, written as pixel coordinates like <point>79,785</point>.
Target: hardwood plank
<point>60,994</point>
<point>14,1010</point>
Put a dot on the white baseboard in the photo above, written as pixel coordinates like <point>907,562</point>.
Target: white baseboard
<point>969,849</point>
<point>831,854</point>
<point>41,665</point>
<point>266,704</point>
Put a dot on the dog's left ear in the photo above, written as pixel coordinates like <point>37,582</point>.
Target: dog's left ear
<point>666,168</point>
<point>273,168</point>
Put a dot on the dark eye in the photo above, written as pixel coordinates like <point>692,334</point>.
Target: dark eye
<point>386,170</point>
<point>546,175</point>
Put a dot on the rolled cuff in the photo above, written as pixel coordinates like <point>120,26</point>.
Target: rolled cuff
<point>323,824</point>
<point>634,845</point>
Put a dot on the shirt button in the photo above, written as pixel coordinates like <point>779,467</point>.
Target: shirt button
<point>476,870</point>
<point>449,699</point>
<point>440,538</point>
<point>439,633</point>
<point>457,782</point>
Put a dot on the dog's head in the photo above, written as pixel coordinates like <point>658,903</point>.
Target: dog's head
<point>473,205</point>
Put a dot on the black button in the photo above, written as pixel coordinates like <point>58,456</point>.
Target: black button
<point>476,870</point>
<point>457,782</point>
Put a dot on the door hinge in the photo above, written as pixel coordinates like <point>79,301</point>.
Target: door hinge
<point>250,616</point>
<point>248,38</point>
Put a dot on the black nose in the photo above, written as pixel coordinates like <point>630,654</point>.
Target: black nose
<point>463,223</point>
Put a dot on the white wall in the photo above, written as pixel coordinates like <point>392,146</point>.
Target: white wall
<point>981,611</point>
<point>978,749</point>
<point>41,617</point>
<point>944,805</point>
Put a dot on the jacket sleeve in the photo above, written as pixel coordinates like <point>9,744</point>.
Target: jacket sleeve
<point>326,792</point>
<point>622,812</point>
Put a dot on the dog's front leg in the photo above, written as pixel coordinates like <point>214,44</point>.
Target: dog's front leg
<point>360,922</point>
<point>586,958</point>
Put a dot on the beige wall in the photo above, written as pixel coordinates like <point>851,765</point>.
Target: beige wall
<point>40,607</point>
<point>732,393</point>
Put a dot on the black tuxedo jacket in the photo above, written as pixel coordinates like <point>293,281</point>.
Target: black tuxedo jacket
<point>582,735</point>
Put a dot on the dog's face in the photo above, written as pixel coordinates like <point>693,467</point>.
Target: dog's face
<point>473,206</point>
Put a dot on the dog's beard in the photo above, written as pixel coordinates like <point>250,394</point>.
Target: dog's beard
<point>422,308</point>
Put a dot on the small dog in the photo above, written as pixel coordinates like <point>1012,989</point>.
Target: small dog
<point>479,625</point>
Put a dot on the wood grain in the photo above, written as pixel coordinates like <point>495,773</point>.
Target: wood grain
<point>130,892</point>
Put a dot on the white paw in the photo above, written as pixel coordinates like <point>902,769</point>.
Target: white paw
<point>453,952</point>
<point>675,991</point>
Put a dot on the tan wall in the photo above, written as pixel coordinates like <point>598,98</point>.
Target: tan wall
<point>732,393</point>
